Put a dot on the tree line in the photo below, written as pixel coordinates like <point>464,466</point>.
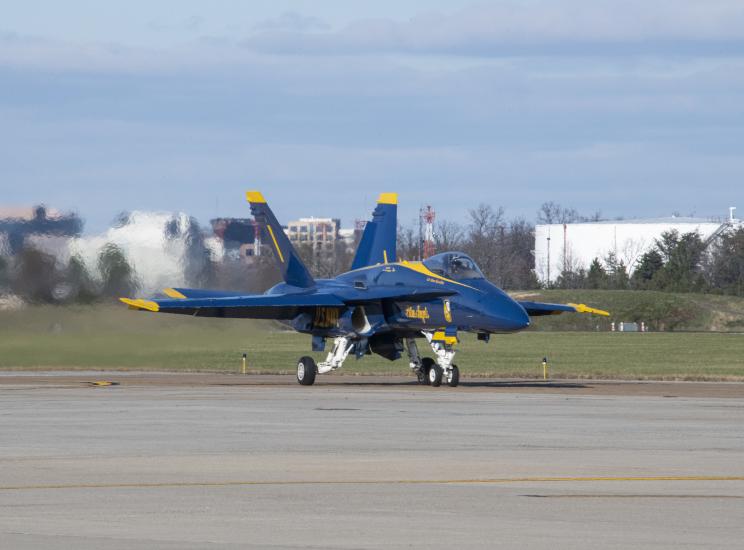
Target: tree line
<point>39,277</point>
<point>502,247</point>
<point>675,263</point>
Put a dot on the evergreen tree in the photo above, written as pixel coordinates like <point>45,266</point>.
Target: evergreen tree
<point>727,264</point>
<point>617,272</point>
<point>118,277</point>
<point>684,256</point>
<point>648,266</point>
<point>597,276</point>
<point>82,287</point>
<point>3,272</point>
<point>35,276</point>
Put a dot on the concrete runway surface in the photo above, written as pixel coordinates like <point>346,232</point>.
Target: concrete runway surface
<point>217,462</point>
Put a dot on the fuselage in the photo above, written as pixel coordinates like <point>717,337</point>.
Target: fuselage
<point>471,304</point>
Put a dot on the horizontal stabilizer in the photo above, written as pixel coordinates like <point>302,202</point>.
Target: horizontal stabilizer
<point>535,309</point>
<point>181,293</point>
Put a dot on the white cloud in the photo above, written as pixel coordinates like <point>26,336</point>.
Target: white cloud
<point>540,27</point>
<point>292,22</point>
<point>422,106</point>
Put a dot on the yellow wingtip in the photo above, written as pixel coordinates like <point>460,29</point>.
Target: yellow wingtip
<point>583,308</point>
<point>140,304</point>
<point>388,198</point>
<point>255,196</point>
<point>173,293</point>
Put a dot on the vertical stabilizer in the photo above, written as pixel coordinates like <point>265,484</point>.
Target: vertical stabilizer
<point>379,239</point>
<point>293,270</point>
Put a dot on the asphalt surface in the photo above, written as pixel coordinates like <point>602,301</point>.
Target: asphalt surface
<point>235,462</point>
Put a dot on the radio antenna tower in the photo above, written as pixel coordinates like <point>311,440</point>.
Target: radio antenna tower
<point>256,239</point>
<point>427,219</point>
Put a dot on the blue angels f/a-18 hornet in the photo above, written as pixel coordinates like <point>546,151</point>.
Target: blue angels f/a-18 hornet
<point>380,306</point>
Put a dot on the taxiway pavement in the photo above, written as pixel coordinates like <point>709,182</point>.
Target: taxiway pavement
<point>227,464</point>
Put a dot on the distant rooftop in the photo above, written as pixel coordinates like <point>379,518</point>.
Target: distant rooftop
<point>664,220</point>
<point>26,212</point>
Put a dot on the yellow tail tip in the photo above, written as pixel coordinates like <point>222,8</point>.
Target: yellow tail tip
<point>140,304</point>
<point>388,198</point>
<point>254,196</point>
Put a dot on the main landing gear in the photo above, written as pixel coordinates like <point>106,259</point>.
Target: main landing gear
<point>431,372</point>
<point>307,369</point>
<point>428,371</point>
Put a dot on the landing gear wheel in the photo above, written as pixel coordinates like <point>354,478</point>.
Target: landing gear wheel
<point>435,375</point>
<point>453,377</point>
<point>426,365</point>
<point>306,371</point>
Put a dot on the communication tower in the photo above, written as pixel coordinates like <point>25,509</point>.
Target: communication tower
<point>256,239</point>
<point>427,220</point>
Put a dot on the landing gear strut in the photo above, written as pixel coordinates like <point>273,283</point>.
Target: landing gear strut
<point>307,369</point>
<point>420,366</point>
<point>445,352</point>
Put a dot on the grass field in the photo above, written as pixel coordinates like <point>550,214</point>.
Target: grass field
<point>116,338</point>
<point>662,311</point>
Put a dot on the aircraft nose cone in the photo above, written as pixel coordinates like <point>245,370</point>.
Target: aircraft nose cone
<point>518,316</point>
<point>511,316</point>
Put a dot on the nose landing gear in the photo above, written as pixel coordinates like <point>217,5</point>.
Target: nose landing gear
<point>453,376</point>
<point>443,370</point>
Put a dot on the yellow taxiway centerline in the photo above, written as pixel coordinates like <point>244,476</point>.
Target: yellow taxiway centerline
<point>494,481</point>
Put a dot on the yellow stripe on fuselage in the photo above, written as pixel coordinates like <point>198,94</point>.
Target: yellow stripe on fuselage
<point>276,244</point>
<point>418,267</point>
<point>173,293</point>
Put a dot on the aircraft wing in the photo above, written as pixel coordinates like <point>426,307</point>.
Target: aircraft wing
<point>352,296</point>
<point>204,303</point>
<point>262,306</point>
<point>535,309</point>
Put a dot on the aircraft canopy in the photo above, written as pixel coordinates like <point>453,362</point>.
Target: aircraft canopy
<point>454,265</point>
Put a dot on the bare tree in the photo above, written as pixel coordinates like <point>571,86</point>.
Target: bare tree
<point>552,212</point>
<point>448,236</point>
<point>408,243</point>
<point>485,238</point>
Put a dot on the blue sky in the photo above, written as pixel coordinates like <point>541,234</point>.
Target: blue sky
<point>633,108</point>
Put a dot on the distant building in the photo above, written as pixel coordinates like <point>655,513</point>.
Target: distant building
<point>319,233</point>
<point>235,238</point>
<point>18,224</point>
<point>349,238</point>
<point>573,246</point>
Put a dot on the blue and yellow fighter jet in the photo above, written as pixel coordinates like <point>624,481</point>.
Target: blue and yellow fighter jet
<point>380,306</point>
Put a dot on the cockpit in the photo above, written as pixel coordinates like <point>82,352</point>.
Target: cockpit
<point>453,265</point>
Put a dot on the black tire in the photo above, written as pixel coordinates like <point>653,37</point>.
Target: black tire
<point>306,370</point>
<point>426,364</point>
<point>454,379</point>
<point>435,376</point>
